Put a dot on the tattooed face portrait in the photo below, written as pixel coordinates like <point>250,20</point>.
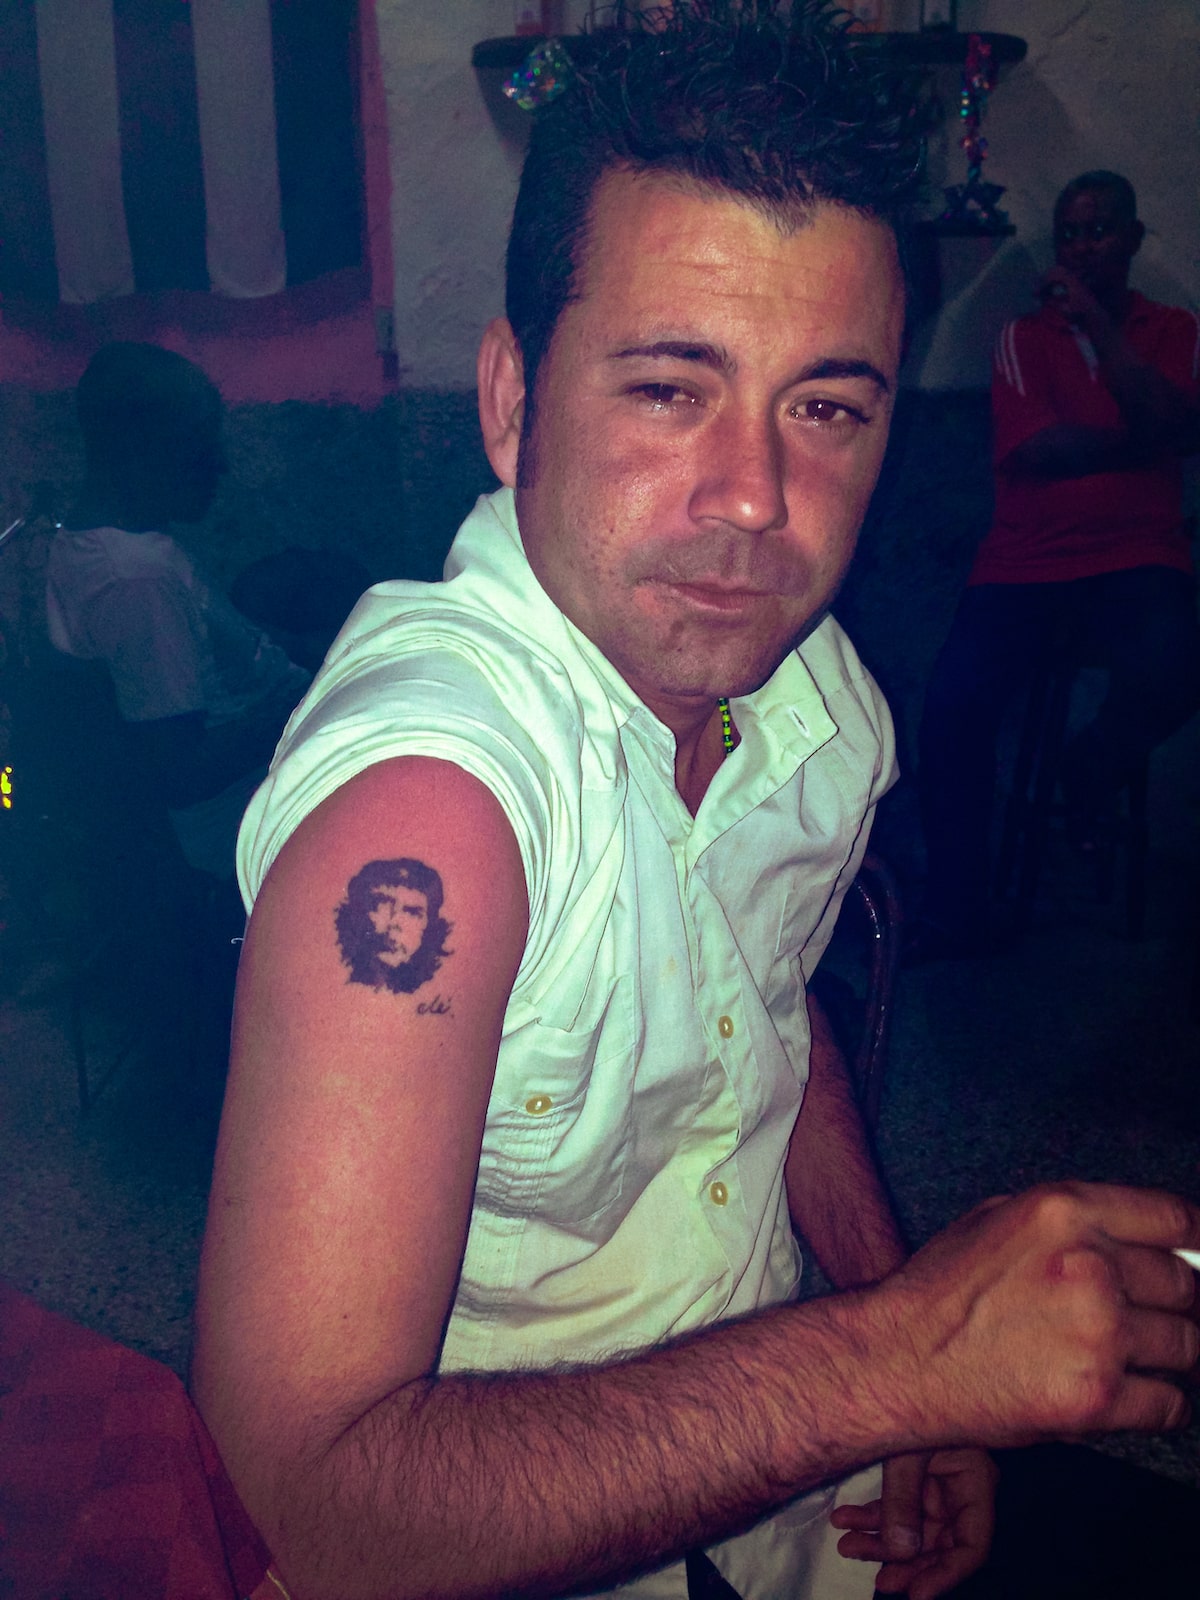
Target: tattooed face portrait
<point>389,927</point>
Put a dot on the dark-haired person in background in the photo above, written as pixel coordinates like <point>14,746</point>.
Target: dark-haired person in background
<point>1095,402</point>
<point>207,692</point>
<point>498,1295</point>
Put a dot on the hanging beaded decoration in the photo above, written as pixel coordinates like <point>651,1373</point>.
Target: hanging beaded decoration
<point>544,74</point>
<point>726,725</point>
<point>972,205</point>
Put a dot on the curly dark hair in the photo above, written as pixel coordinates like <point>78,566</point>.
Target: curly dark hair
<point>776,103</point>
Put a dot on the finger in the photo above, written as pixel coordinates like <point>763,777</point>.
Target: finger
<point>864,1518</point>
<point>1161,1341</point>
<point>861,1547</point>
<point>869,1547</point>
<point>1150,1405</point>
<point>1152,1277</point>
<point>903,1505</point>
<point>1139,1216</point>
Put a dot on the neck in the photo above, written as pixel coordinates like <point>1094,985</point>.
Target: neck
<point>1117,302</point>
<point>104,505</point>
<point>698,754</point>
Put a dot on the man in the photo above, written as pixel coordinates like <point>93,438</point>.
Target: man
<point>500,1300</point>
<point>1096,399</point>
<point>206,692</point>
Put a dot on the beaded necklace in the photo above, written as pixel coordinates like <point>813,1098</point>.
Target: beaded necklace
<point>726,725</point>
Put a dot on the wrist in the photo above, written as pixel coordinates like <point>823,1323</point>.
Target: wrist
<point>882,1408</point>
<point>924,1397</point>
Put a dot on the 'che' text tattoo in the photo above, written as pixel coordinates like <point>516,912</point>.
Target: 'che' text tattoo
<point>390,929</point>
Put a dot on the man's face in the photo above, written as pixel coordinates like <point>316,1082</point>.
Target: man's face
<point>711,417</point>
<point>1094,241</point>
<point>400,916</point>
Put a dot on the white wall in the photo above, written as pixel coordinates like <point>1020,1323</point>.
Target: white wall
<point>1112,83</point>
<point>1105,83</point>
<point>456,147</point>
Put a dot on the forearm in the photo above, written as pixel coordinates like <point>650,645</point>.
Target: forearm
<point>835,1193</point>
<point>1070,450</point>
<point>561,1482</point>
<point>1159,417</point>
<point>1026,1320</point>
<point>1156,420</point>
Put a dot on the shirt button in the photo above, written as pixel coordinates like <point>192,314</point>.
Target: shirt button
<point>725,1027</point>
<point>538,1104</point>
<point>718,1193</point>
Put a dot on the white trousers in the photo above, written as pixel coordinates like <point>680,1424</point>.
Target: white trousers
<point>790,1556</point>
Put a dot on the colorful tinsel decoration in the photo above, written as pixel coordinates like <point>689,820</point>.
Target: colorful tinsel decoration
<point>973,204</point>
<point>543,75</point>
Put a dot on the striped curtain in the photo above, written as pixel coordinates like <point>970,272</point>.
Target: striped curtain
<point>176,144</point>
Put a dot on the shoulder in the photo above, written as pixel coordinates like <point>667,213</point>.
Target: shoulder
<point>115,556</point>
<point>829,654</point>
<point>417,661</point>
<point>1162,314</point>
<point>861,748</point>
<point>1174,327</point>
<point>420,674</point>
<point>1019,345</point>
<point>845,683</point>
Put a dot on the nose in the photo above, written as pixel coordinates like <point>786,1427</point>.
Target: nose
<point>741,477</point>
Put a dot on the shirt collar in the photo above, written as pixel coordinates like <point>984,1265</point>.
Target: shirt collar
<point>783,722</point>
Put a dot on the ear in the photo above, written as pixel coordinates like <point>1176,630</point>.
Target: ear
<point>501,377</point>
<point>1137,235</point>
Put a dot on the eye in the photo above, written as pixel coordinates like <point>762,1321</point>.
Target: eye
<point>829,413</point>
<point>664,396</point>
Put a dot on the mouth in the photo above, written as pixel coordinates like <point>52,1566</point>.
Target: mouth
<point>721,599</point>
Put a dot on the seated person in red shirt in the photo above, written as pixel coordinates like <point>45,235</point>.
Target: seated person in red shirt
<point>206,690</point>
<point>1095,401</point>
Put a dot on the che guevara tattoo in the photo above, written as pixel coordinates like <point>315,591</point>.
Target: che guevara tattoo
<point>389,927</point>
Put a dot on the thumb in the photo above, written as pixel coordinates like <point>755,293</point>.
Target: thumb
<point>902,1516</point>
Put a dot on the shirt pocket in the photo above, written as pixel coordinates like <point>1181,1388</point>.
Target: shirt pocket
<point>560,1121</point>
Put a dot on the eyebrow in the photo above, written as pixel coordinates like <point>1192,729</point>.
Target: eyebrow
<point>719,359</point>
<point>705,355</point>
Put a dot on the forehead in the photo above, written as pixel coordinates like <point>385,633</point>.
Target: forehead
<point>1087,205</point>
<point>657,247</point>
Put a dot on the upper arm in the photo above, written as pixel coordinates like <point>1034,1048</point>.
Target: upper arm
<point>1177,361</point>
<point>353,1121</point>
<point>1022,402</point>
<point>149,634</point>
<point>1177,356</point>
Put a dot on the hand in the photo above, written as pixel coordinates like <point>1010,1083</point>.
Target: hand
<point>931,1528</point>
<point>1059,1311</point>
<point>1061,288</point>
